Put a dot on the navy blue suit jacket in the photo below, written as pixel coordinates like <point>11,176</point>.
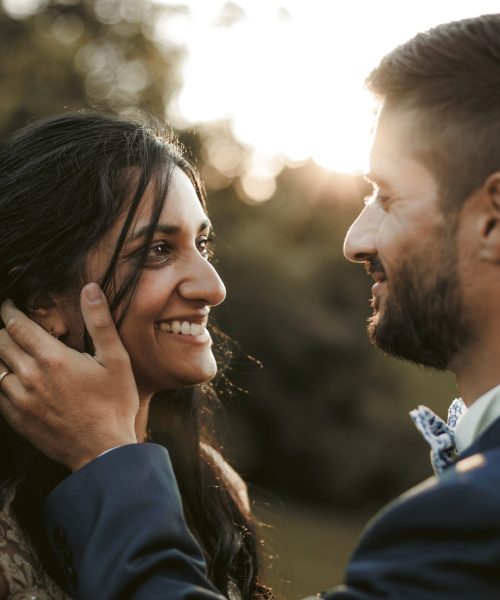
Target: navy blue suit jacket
<point>118,529</point>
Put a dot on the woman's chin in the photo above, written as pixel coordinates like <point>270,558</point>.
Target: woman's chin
<point>200,378</point>
<point>174,376</point>
<point>191,378</point>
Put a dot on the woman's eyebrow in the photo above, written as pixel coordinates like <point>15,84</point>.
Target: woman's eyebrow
<point>166,229</point>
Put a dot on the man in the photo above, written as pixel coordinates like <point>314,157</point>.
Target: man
<point>430,238</point>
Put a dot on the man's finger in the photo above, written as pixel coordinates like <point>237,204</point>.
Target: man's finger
<point>3,367</point>
<point>11,354</point>
<point>4,371</point>
<point>25,332</point>
<point>6,407</point>
<point>12,387</point>
<point>100,325</point>
<point>11,412</point>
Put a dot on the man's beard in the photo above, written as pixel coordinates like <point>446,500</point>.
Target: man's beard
<point>420,318</point>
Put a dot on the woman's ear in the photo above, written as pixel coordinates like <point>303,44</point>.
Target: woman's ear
<point>47,313</point>
<point>489,218</point>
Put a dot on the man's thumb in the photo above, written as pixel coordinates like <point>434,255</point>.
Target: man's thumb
<point>100,324</point>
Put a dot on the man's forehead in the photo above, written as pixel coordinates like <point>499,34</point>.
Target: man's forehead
<point>394,132</point>
<point>397,144</point>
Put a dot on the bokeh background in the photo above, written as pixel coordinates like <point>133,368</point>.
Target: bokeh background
<point>268,96</point>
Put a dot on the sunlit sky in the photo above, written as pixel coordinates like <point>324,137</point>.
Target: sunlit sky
<point>287,75</point>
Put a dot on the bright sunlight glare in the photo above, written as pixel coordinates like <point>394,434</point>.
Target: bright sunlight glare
<point>288,75</point>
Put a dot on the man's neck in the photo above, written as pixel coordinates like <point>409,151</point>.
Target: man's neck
<point>477,371</point>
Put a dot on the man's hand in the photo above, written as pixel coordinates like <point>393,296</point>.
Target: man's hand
<point>70,405</point>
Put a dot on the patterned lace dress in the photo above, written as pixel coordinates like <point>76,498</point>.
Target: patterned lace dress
<point>22,569</point>
<point>20,565</point>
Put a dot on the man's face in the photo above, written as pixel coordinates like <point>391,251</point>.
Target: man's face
<point>408,246</point>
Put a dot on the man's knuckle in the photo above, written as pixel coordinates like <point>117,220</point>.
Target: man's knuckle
<point>122,356</point>
<point>22,402</point>
<point>29,383</point>
<point>103,321</point>
<point>5,340</point>
<point>29,376</point>
<point>115,362</point>
<point>120,361</point>
<point>50,360</point>
<point>15,328</point>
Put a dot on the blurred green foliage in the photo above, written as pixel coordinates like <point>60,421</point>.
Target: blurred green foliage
<point>70,54</point>
<point>326,417</point>
<point>324,420</point>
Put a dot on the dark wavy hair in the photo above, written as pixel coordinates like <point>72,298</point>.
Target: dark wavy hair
<point>63,182</point>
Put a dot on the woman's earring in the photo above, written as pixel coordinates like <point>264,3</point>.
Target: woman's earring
<point>53,334</point>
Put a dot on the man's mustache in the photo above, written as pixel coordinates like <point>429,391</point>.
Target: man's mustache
<point>374,265</point>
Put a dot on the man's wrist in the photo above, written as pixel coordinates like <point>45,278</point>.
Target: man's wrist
<point>110,450</point>
<point>82,461</point>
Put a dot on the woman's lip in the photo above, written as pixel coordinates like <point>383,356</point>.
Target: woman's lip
<point>200,319</point>
<point>204,338</point>
<point>203,321</point>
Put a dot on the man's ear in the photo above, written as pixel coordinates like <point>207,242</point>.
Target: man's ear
<point>47,313</point>
<point>489,218</point>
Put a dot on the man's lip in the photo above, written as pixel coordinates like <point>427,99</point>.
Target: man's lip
<point>377,286</point>
<point>378,277</point>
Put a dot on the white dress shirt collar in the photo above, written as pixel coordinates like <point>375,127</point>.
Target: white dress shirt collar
<point>478,417</point>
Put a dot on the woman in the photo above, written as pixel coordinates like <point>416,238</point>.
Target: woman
<point>86,197</point>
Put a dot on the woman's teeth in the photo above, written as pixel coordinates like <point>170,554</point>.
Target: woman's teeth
<point>184,328</point>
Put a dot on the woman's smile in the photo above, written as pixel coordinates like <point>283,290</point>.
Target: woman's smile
<point>165,328</point>
<point>186,329</point>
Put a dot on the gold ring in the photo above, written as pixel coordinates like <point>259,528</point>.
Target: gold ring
<point>4,374</point>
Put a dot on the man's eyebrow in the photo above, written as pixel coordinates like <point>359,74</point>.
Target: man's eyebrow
<point>165,228</point>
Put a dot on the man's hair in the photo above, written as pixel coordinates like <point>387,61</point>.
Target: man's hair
<point>450,77</point>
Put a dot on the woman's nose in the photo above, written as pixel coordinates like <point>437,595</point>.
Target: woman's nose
<point>360,241</point>
<point>203,283</point>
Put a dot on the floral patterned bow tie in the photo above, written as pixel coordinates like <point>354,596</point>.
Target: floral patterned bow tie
<point>439,435</point>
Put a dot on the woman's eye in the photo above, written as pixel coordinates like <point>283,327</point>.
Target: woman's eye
<point>205,246</point>
<point>158,250</point>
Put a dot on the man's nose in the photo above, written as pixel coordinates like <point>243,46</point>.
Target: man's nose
<point>361,239</point>
<point>203,283</point>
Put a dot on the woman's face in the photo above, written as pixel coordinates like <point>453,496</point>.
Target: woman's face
<point>164,330</point>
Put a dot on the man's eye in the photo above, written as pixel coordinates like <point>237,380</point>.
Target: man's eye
<point>377,198</point>
<point>381,199</point>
